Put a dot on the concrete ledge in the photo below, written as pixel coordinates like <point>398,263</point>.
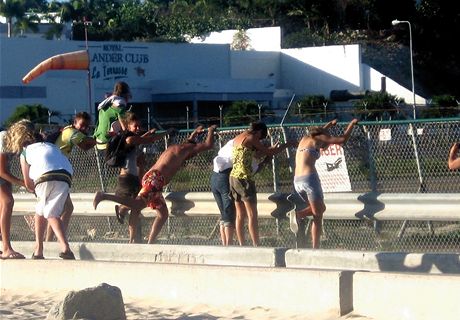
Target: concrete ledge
<point>384,296</point>
<point>287,290</point>
<point>209,255</point>
<point>409,206</point>
<point>374,261</point>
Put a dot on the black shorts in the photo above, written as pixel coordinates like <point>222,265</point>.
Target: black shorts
<point>128,186</point>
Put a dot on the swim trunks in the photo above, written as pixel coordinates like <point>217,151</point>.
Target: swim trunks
<point>152,187</point>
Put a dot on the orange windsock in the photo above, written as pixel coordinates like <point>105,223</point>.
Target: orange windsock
<point>77,60</point>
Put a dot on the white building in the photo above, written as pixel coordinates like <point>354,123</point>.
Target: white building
<point>167,77</point>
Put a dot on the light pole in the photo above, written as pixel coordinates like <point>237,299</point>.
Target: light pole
<point>395,22</point>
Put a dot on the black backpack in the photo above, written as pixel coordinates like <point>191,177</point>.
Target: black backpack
<point>117,149</point>
<point>51,136</point>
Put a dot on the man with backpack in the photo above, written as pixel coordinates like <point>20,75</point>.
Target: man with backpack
<point>160,174</point>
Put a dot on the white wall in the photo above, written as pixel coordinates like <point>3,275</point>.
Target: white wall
<point>155,68</point>
<point>260,39</point>
<point>372,80</point>
<point>318,70</point>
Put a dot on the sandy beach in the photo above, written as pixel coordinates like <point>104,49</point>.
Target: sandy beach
<point>35,305</point>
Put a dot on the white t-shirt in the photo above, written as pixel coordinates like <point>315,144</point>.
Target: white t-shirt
<point>223,160</point>
<point>2,141</point>
<point>44,157</point>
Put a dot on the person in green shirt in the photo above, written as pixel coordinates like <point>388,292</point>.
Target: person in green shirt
<point>110,112</point>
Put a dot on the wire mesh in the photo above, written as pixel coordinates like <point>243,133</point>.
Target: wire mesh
<point>413,160</point>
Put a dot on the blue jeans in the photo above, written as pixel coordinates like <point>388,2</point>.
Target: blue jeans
<point>220,188</point>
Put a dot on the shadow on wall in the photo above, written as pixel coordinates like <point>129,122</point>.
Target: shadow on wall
<point>422,263</point>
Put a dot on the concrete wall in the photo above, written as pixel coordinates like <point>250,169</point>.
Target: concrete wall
<point>315,293</point>
<point>319,70</point>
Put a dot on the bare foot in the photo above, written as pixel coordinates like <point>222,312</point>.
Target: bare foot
<point>98,197</point>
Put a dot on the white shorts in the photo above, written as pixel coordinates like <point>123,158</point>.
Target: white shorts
<point>51,196</point>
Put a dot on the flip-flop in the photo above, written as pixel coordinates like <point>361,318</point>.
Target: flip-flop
<point>293,224</point>
<point>14,255</point>
<point>120,218</point>
<point>68,255</point>
<point>39,257</point>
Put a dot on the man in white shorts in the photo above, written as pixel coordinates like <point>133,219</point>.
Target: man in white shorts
<point>48,172</point>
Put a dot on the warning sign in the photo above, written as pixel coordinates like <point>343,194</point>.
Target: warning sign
<point>332,169</point>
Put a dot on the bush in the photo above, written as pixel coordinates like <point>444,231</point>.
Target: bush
<point>376,105</point>
<point>442,106</point>
<point>36,113</point>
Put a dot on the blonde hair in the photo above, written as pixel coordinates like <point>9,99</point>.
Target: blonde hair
<point>19,135</point>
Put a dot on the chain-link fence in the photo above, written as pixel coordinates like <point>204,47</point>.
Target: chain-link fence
<point>413,160</point>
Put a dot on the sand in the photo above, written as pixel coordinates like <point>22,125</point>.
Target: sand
<point>35,305</point>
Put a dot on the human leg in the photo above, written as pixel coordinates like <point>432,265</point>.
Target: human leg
<point>157,225</point>
<point>318,207</point>
<point>40,227</point>
<point>218,197</point>
<point>65,218</point>
<point>58,229</point>
<point>240,219</point>
<point>308,189</point>
<point>253,221</point>
<point>128,186</point>
<point>6,211</point>
<point>220,188</point>
<point>135,204</point>
<point>132,226</point>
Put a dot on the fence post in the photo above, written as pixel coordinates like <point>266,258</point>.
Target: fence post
<point>422,188</point>
<point>372,171</point>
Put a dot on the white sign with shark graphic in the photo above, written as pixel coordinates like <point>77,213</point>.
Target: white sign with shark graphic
<point>332,170</point>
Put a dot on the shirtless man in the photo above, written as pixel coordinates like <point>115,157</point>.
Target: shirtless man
<point>159,175</point>
<point>306,179</point>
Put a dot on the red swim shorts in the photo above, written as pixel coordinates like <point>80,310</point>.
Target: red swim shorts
<point>152,187</point>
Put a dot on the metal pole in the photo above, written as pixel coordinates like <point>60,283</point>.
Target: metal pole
<point>260,111</point>
<point>86,23</point>
<point>148,119</point>
<point>188,126</point>
<point>412,68</point>
<point>395,22</point>
<point>220,114</point>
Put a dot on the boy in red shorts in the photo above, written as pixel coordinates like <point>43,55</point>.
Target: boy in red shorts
<point>160,174</point>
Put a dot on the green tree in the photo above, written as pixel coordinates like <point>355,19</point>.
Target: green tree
<point>312,107</point>
<point>241,113</point>
<point>442,106</point>
<point>36,113</point>
<point>26,23</point>
<point>12,9</point>
<point>376,105</point>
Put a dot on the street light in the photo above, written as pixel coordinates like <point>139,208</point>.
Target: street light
<point>395,22</point>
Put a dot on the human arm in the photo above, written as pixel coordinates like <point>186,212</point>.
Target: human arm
<point>148,137</point>
<point>453,161</point>
<point>87,143</point>
<point>330,124</point>
<point>25,167</point>
<point>192,137</point>
<point>262,150</point>
<point>5,173</point>
<point>208,144</point>
<point>326,139</point>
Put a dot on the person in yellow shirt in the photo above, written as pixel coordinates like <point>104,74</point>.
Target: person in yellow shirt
<point>76,134</point>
